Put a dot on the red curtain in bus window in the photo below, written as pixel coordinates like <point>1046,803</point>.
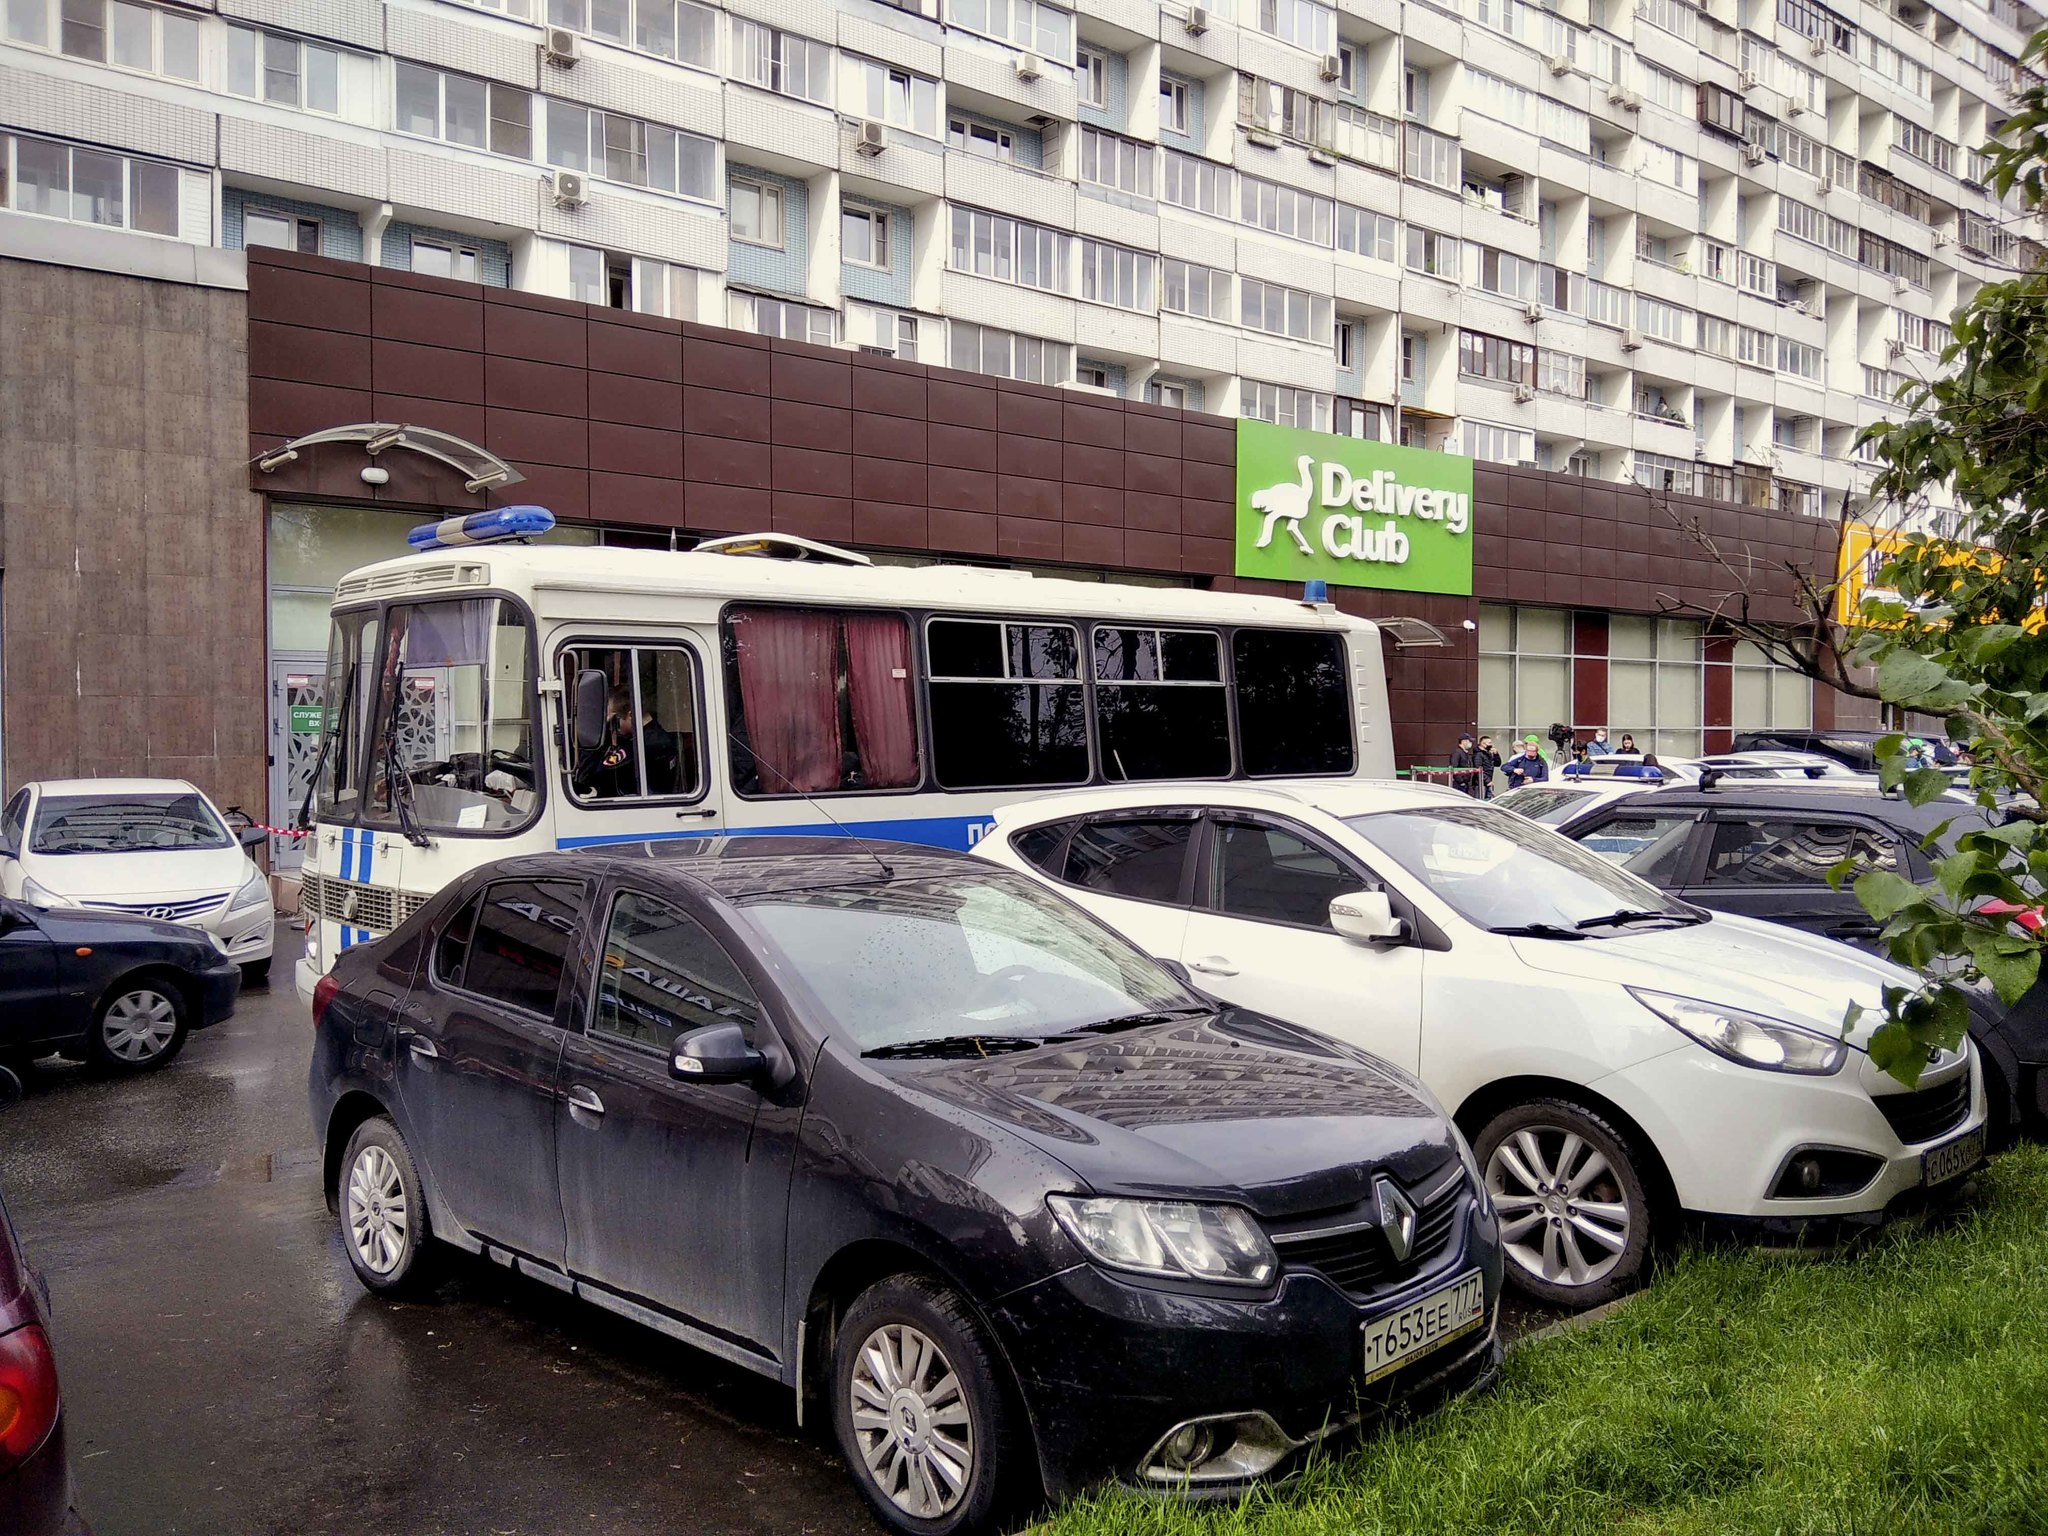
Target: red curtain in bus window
<point>878,683</point>
<point>790,697</point>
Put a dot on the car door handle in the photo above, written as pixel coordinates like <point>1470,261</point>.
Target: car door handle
<point>423,1048</point>
<point>586,1100</point>
<point>1213,965</point>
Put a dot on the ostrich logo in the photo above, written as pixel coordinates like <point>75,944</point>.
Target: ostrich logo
<point>1286,503</point>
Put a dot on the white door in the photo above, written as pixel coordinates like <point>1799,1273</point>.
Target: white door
<point>1131,870</point>
<point>1260,937</point>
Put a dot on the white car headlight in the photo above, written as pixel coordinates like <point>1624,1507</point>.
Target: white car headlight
<point>255,892</point>
<point>39,895</point>
<point>1747,1038</point>
<point>1171,1238</point>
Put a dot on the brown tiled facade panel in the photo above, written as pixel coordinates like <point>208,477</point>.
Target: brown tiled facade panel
<point>133,546</point>
<point>630,418</point>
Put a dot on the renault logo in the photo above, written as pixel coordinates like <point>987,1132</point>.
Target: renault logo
<point>1397,1217</point>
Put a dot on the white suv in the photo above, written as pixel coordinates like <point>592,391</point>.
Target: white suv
<point>1614,1054</point>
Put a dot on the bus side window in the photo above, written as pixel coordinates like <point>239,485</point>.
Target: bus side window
<point>820,701</point>
<point>651,749</point>
<point>1293,701</point>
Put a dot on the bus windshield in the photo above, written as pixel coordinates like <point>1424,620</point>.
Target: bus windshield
<point>430,724</point>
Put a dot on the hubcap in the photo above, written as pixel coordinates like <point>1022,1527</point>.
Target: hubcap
<point>911,1422</point>
<point>139,1025</point>
<point>377,1214</point>
<point>1564,1216</point>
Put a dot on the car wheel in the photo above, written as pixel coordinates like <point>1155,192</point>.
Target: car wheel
<point>140,1026</point>
<point>921,1416</point>
<point>384,1221</point>
<point>1575,1213</point>
<point>256,973</point>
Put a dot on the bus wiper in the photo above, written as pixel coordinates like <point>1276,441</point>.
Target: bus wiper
<point>333,730</point>
<point>1537,931</point>
<point>1626,916</point>
<point>408,824</point>
<point>957,1045</point>
<point>1122,1022</point>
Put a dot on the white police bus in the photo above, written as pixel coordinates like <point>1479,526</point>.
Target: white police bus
<point>490,698</point>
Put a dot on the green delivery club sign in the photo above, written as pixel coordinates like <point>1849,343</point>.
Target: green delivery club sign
<point>1314,505</point>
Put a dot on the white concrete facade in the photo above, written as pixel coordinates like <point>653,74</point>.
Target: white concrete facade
<point>1692,247</point>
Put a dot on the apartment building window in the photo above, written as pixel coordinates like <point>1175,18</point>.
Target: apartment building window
<point>1883,256</point>
<point>1300,22</point>
<point>1009,250</point>
<point>1672,16</point>
<point>1887,191</point>
<point>1286,210</point>
<point>1921,333</point>
<point>1285,406</point>
<point>1117,275</point>
<point>268,66</point>
<point>1091,78</point>
<point>1414,357</point>
<point>874,329</point>
<point>1366,233</point>
<point>1794,432</point>
<point>984,349</point>
<point>1168,392</point>
<point>1124,165</point>
<point>1282,311</point>
<point>632,282</point>
<point>783,62</point>
<point>1561,373</point>
<point>1492,443</point>
<point>1366,137</point>
<point>1753,274</point>
<point>1910,138</point>
<point>1187,181</point>
<point>1799,359</point>
<point>756,213</point>
<point>1755,348</point>
<point>1187,288</point>
<point>1093,375</point>
<point>138,37</point>
<point>280,231</point>
<point>1344,338</point>
<point>461,109</point>
<point>1494,357</point>
<point>1654,681</point>
<point>442,258</point>
<point>624,149</point>
<point>864,237</point>
<point>1173,105</point>
<point>894,96</point>
<point>1672,92</point>
<point>1275,108</point>
<point>1661,472</point>
<point>1504,273</point>
<point>1429,157</point>
<point>1414,91</point>
<point>1717,336</point>
<point>1431,253</point>
<point>983,139</point>
<point>1044,29</point>
<point>1366,419</point>
<point>1606,304</point>
<point>1350,76</point>
<point>1666,322</point>
<point>1816,21</point>
<point>1720,110</point>
<point>767,316</point>
<point>90,186</point>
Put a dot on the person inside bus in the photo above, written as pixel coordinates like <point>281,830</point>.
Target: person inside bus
<point>616,772</point>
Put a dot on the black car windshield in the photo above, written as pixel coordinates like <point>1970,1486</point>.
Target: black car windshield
<point>126,824</point>
<point>1499,871</point>
<point>968,955</point>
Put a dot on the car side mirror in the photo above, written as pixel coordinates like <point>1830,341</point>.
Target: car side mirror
<point>591,693</point>
<point>1367,917</point>
<point>717,1053</point>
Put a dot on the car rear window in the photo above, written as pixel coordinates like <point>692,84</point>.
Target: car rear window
<point>1142,857</point>
<point>520,943</point>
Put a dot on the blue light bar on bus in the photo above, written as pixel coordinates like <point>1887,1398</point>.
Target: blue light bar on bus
<point>494,527</point>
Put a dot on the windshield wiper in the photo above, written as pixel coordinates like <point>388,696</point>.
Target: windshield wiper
<point>957,1045</point>
<point>1537,931</point>
<point>408,824</point>
<point>1626,916</point>
<point>1126,1021</point>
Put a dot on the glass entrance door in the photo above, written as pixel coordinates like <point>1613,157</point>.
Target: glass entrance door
<point>298,686</point>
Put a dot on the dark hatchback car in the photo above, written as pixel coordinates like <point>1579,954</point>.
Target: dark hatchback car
<point>122,991</point>
<point>1763,849</point>
<point>35,1477</point>
<point>999,1197</point>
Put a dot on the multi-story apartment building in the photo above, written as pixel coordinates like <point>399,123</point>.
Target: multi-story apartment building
<point>1697,248</point>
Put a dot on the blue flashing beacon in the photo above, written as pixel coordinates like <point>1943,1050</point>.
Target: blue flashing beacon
<point>498,526</point>
<point>1315,590</point>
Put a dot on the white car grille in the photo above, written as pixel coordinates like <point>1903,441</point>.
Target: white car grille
<point>376,907</point>
<point>185,910</point>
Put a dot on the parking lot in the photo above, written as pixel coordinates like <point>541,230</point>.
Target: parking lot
<point>224,1372</point>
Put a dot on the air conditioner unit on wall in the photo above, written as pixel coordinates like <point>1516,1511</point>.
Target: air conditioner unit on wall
<point>1196,20</point>
<point>871,138</point>
<point>1631,340</point>
<point>1817,46</point>
<point>570,191</point>
<point>1795,109</point>
<point>1029,66</point>
<point>1942,237</point>
<point>1631,102</point>
<point>1524,394</point>
<point>1825,185</point>
<point>1753,153</point>
<point>1893,347</point>
<point>1747,81</point>
<point>1617,93</point>
<point>1560,64</point>
<point>1333,67</point>
<point>1533,312</point>
<point>559,46</point>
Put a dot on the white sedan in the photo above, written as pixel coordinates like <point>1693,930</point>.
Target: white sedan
<point>151,847</point>
<point>1615,1055</point>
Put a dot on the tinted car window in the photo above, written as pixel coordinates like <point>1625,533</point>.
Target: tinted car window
<point>523,931</point>
<point>452,947</point>
<point>1779,852</point>
<point>664,974</point>
<point>1293,701</point>
<point>1273,876</point>
<point>1653,847</point>
<point>1039,846</point>
<point>1142,859</point>
<point>14,821</point>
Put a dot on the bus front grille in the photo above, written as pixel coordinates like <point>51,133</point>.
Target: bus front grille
<point>376,907</point>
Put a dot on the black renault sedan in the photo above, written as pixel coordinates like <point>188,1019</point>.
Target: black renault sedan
<point>120,990</point>
<point>997,1196</point>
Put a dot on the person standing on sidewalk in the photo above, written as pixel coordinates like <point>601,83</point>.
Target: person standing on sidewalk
<point>1527,766</point>
<point>1489,763</point>
<point>1465,767</point>
<point>1598,746</point>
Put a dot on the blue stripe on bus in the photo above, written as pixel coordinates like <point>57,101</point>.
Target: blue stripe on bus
<point>959,832</point>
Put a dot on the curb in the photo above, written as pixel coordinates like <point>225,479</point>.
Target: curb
<point>1572,1324</point>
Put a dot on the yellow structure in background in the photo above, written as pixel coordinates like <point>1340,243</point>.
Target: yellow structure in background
<point>1864,552</point>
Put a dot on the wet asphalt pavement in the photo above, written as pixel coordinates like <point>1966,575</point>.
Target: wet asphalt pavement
<point>224,1374</point>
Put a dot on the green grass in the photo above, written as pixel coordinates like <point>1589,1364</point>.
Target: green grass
<point>1900,1389</point>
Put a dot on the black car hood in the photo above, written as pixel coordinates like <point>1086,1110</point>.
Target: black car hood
<point>87,926</point>
<point>1233,1106</point>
